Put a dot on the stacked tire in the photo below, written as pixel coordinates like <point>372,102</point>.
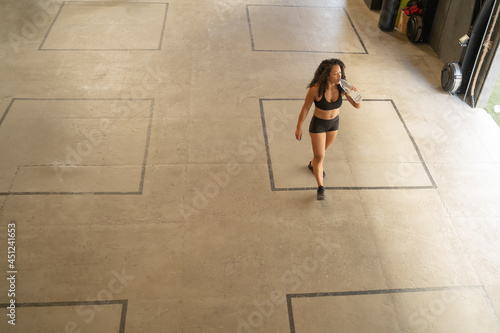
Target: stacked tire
<point>451,77</point>
<point>421,19</point>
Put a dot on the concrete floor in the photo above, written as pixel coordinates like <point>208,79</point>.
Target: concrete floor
<point>150,172</point>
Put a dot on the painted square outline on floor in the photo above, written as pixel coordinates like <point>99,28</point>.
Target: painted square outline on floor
<point>145,154</point>
<point>40,48</point>
<point>123,303</point>
<point>252,40</point>
<point>270,164</point>
<point>290,297</point>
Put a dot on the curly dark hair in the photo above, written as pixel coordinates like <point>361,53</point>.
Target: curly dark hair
<point>323,72</point>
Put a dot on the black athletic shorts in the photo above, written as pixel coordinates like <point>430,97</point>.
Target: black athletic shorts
<point>319,125</point>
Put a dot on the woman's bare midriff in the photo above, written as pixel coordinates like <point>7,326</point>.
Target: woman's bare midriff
<point>326,114</point>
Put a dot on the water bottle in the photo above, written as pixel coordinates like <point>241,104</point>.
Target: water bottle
<point>348,88</point>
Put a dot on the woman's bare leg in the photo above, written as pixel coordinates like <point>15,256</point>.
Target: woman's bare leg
<point>318,141</point>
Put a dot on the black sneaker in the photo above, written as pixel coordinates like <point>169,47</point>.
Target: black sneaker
<point>321,193</point>
<point>312,169</point>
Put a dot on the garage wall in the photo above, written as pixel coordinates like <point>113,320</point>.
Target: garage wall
<point>452,21</point>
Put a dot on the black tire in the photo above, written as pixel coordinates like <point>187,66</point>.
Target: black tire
<point>415,28</point>
<point>451,77</point>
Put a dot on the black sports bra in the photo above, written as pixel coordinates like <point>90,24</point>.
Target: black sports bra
<point>323,104</point>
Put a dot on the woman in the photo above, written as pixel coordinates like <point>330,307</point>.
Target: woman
<point>326,93</point>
